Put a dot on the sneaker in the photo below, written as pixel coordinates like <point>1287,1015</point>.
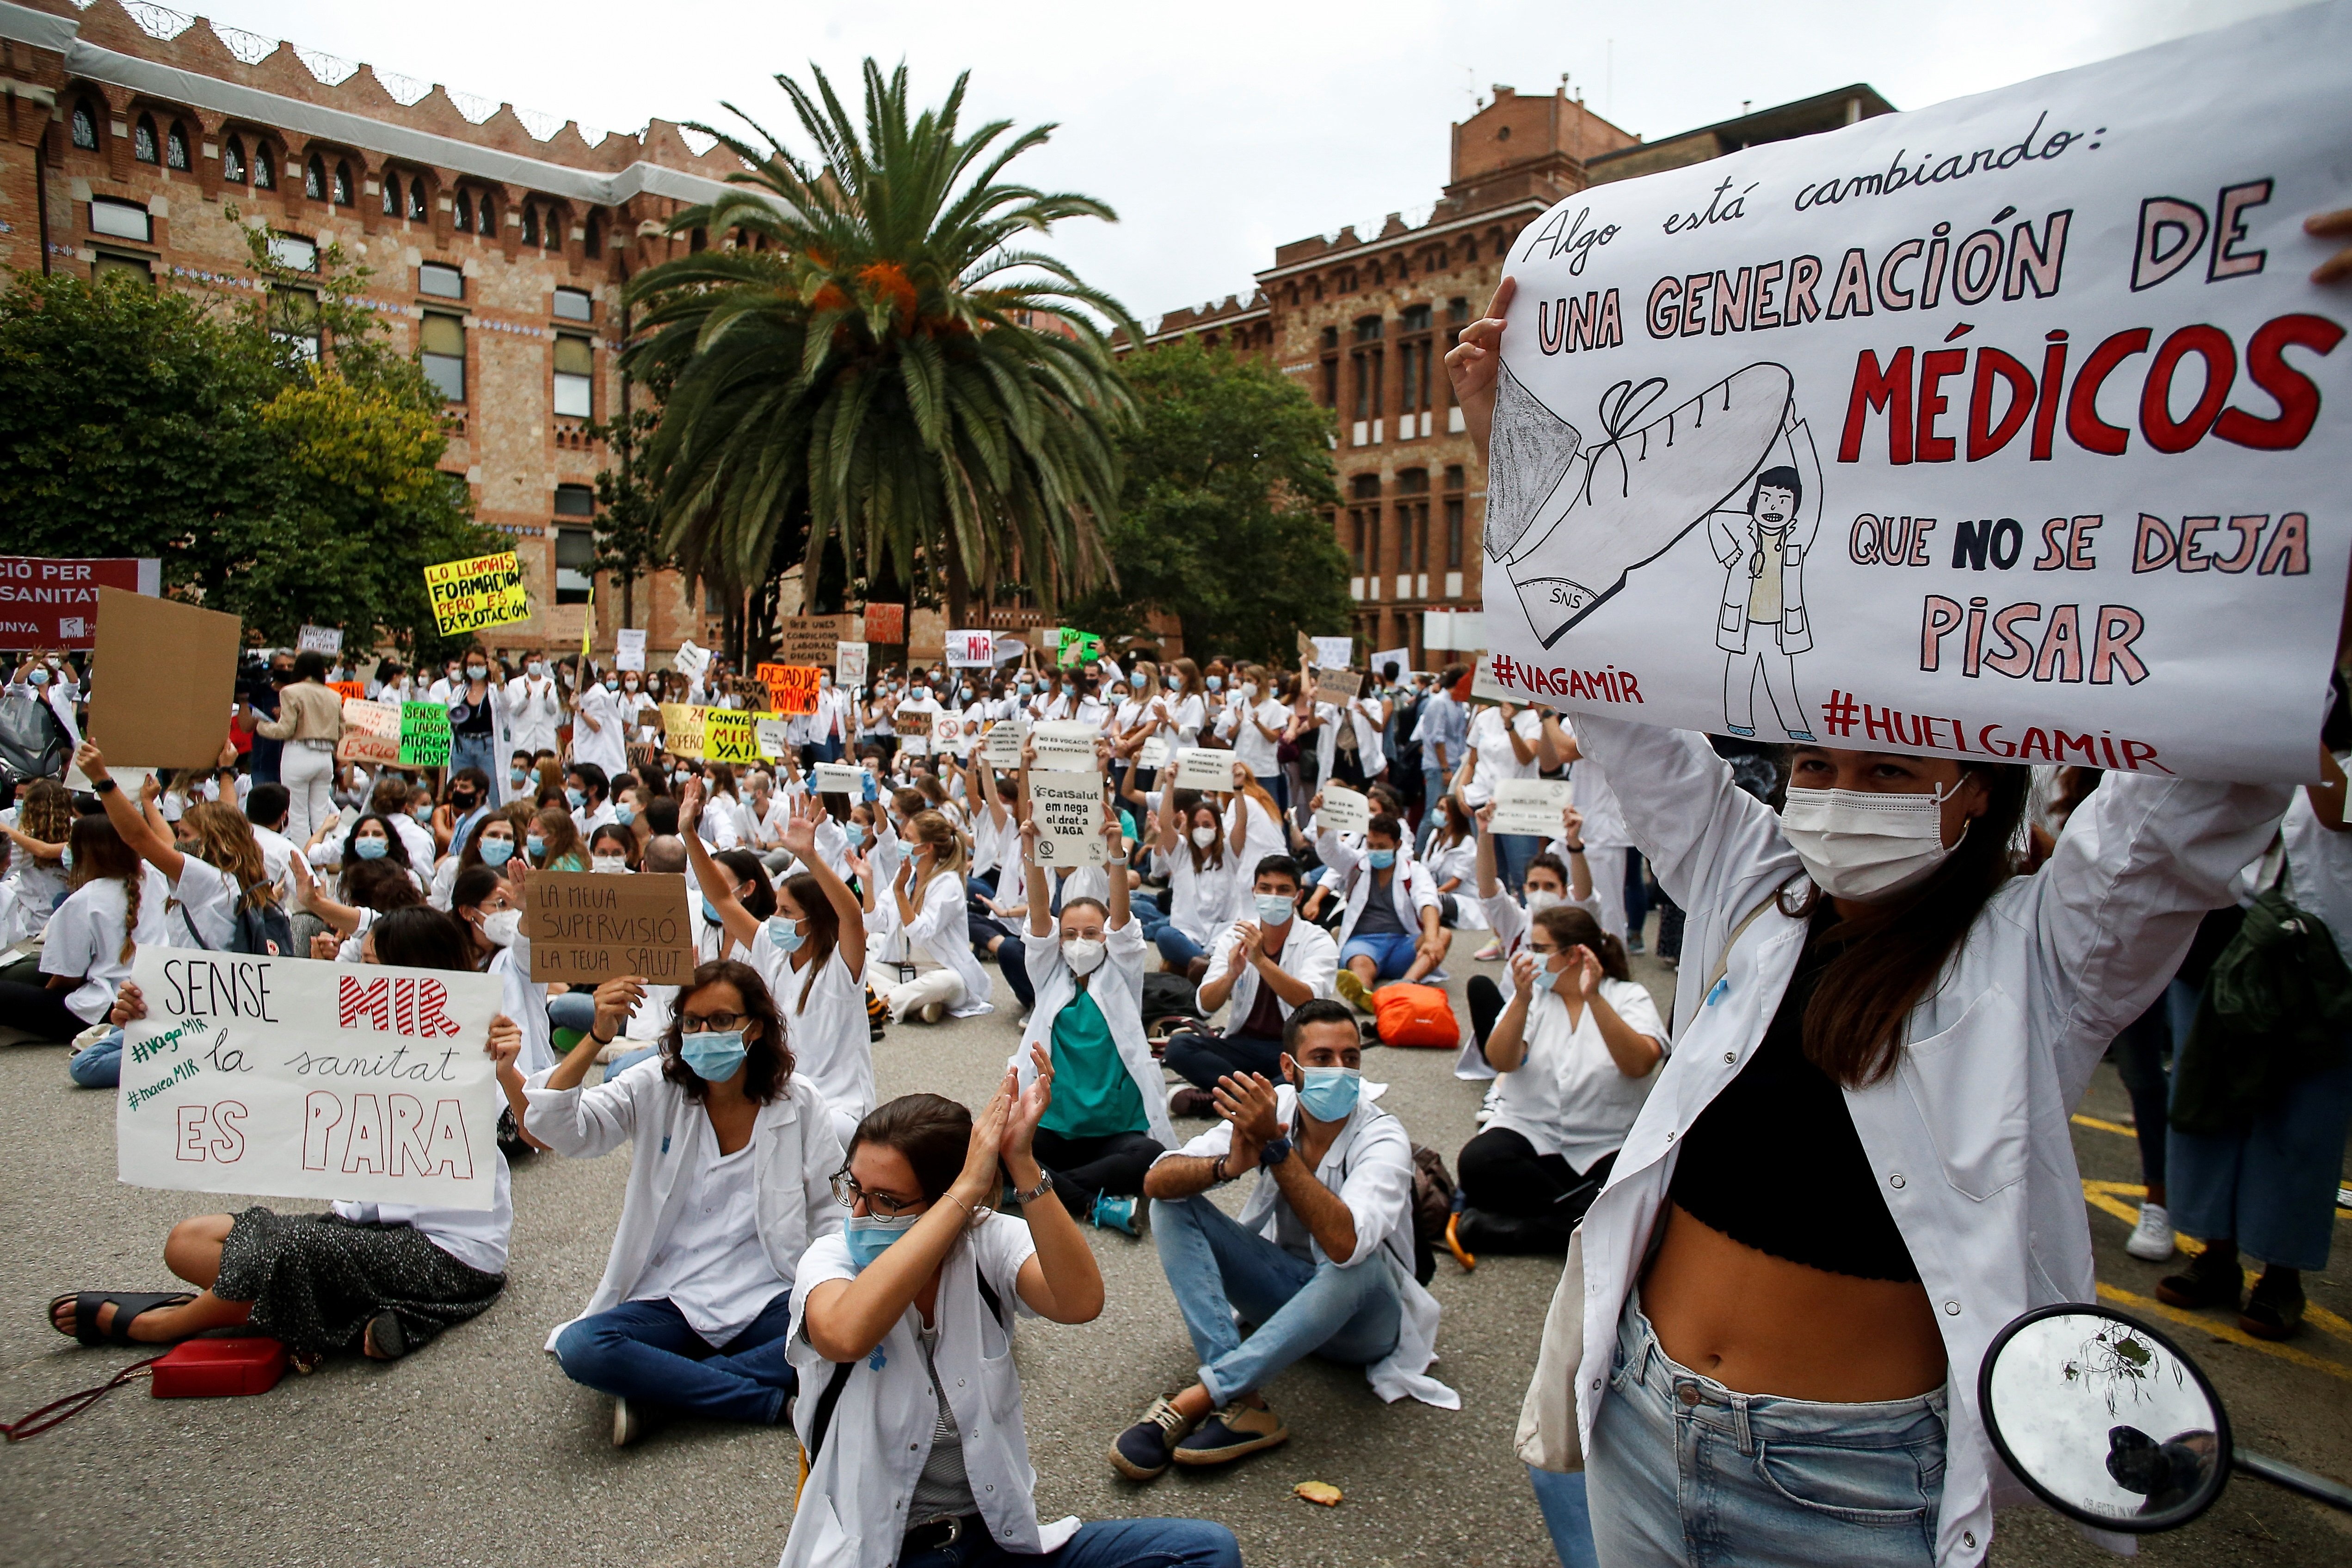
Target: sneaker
<point>2212,1279</point>
<point>628,1424</point>
<point>1232,1432</point>
<point>1634,944</point>
<point>1489,953</point>
<point>1352,990</point>
<point>1189,1100</point>
<point>2275,1308</point>
<point>1141,1452</point>
<point>932,1012</point>
<point>2152,1242</point>
<point>1116,1214</point>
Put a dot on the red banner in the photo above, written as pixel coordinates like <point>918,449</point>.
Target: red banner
<point>51,603</point>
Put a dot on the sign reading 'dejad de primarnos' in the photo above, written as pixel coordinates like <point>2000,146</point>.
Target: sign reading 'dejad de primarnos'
<point>2009,429</point>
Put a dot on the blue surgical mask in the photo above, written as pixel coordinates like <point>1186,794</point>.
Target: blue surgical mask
<point>1328,1094</point>
<point>536,843</point>
<point>578,797</point>
<point>1026,688</point>
<point>40,677</point>
<point>855,832</point>
<point>1216,683</point>
<point>1274,908</point>
<point>625,815</point>
<point>497,852</point>
<point>869,1236</point>
<point>371,849</point>
<point>517,774</point>
<point>611,685</point>
<point>1559,979</point>
<point>424,813</point>
<point>785,935</point>
<point>1381,859</point>
<point>711,911</point>
<point>714,1056</point>
<point>1174,684</point>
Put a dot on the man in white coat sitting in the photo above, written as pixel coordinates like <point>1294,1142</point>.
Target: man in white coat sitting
<point>1392,928</point>
<point>1321,1260</point>
<point>1262,970</point>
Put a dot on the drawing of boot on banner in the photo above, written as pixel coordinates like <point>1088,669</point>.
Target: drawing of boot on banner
<point>1763,623</point>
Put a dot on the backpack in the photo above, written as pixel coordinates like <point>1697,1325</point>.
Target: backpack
<point>1414,1015</point>
<point>1169,1003</point>
<point>261,930</point>
<point>2273,1012</point>
<point>33,744</point>
<point>1433,1205</point>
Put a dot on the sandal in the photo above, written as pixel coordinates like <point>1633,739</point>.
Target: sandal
<point>128,1306</point>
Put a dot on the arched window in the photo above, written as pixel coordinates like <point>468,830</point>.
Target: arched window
<point>176,148</point>
<point>416,200</point>
<point>554,234</point>
<point>697,240</point>
<point>391,196</point>
<point>530,224</point>
<point>85,127</point>
<point>595,236</point>
<point>465,212</point>
<point>265,169</point>
<point>342,184</point>
<point>314,179</point>
<point>489,216</point>
<point>233,160</point>
<point>142,141</point>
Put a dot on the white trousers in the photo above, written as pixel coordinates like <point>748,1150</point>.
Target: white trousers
<point>941,985</point>
<point>308,771</point>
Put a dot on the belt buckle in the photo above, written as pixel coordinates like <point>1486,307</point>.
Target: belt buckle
<point>954,1524</point>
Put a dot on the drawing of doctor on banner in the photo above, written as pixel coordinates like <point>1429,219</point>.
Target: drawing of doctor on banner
<point>1763,624</point>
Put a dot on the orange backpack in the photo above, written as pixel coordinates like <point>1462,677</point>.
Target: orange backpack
<point>1414,1015</point>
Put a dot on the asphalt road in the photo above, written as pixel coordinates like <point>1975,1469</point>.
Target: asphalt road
<point>477,1449</point>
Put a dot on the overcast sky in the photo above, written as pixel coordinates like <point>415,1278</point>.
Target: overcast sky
<point>1219,130</point>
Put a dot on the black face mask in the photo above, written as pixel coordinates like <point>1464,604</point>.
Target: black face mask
<point>461,799</point>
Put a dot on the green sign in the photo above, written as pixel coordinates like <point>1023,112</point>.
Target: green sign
<point>1076,647</point>
<point>423,735</point>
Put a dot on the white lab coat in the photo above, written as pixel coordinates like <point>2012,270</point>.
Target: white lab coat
<point>1118,990</point>
<point>1411,887</point>
<point>794,1152</point>
<point>1969,1134</point>
<point>537,705</point>
<point>941,928</point>
<point>1308,956</point>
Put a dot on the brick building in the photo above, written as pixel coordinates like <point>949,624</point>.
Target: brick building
<point>498,239</point>
<point>1365,322</point>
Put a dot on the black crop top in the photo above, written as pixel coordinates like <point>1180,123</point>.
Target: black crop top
<point>1774,1162</point>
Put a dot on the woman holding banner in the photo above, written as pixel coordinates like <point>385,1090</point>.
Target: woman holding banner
<point>309,721</point>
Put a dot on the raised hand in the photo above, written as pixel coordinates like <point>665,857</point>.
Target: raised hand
<point>1586,967</point>
<point>800,832</point>
<point>616,1000</point>
<point>1029,1109</point>
<point>689,805</point>
<point>1523,972</point>
<point>1474,364</point>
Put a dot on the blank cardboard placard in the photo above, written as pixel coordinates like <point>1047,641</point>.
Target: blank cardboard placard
<point>1529,806</point>
<point>1204,768</point>
<point>1068,811</point>
<point>585,928</point>
<point>165,678</point>
<point>1346,811</point>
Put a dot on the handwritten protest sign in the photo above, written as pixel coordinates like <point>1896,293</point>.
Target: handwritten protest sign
<point>730,736</point>
<point>690,660</point>
<point>1346,811</point>
<point>972,650</point>
<point>1067,745</point>
<point>1327,652</point>
<point>1993,430</point>
<point>370,733</point>
<point>479,591</point>
<point>1204,768</point>
<point>350,691</point>
<point>585,928</point>
<point>1338,687</point>
<point>298,1078</point>
<point>1154,753</point>
<point>791,688</point>
<point>775,737</point>
<point>1073,646</point>
<point>811,639</point>
<point>849,663</point>
<point>1001,744</point>
<point>914,727</point>
<point>175,667</point>
<point>629,648</point>
<point>682,728</point>
<point>1529,806</point>
<point>423,735</point>
<point>1484,686</point>
<point>885,624</point>
<point>1068,811</point>
<point>320,640</point>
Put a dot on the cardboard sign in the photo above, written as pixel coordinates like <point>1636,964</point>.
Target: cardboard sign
<point>1327,652</point>
<point>913,726</point>
<point>370,733</point>
<point>791,688</point>
<point>690,661</point>
<point>1154,753</point>
<point>297,1078</point>
<point>1073,646</point>
<point>972,650</point>
<point>682,728</point>
<point>629,648</point>
<point>885,624</point>
<point>1401,657</point>
<point>320,640</point>
<point>167,680</point>
<point>585,928</point>
<point>1338,687</point>
<point>1528,806</point>
<point>811,638</point>
<point>423,735</point>
<point>840,778</point>
<point>1204,768</point>
<point>1483,684</point>
<point>1346,811</point>
<point>481,590</point>
<point>730,736</point>
<point>52,602</point>
<point>2008,428</point>
<point>350,691</point>
<point>1066,745</point>
<point>849,665</point>
<point>1068,811</point>
<point>1000,745</point>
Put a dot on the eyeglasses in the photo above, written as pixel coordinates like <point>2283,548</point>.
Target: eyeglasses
<point>712,1023</point>
<point>847,1192</point>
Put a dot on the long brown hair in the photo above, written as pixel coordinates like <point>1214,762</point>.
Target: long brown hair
<point>825,925</point>
<point>45,812</point>
<point>558,835</point>
<point>1896,951</point>
<point>767,1061</point>
<point>228,845</point>
<point>99,850</point>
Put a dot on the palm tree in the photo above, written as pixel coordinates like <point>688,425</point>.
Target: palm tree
<point>863,355</point>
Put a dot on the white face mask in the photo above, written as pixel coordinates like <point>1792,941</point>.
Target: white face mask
<point>1542,898</point>
<point>502,926</point>
<point>609,864</point>
<point>1204,837</point>
<point>1084,955</point>
<point>1861,843</point>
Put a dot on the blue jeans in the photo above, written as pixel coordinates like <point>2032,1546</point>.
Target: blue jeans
<point>1756,1478</point>
<point>1101,1543</point>
<point>1391,952</point>
<point>1512,852</point>
<point>1176,948</point>
<point>629,1059</point>
<point>648,1351</point>
<point>572,1010</point>
<point>1567,1515</point>
<point>2271,1188</point>
<point>99,1066</point>
<point>1215,1266</point>
<point>474,751</point>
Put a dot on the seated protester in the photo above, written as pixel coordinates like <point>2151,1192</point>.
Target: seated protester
<point>490,907</point>
<point>1109,1121</point>
<point>741,869</point>
<point>209,858</point>
<point>1578,1049</point>
<point>553,841</point>
<point>1321,1259</point>
<point>1391,929</point>
<point>1550,884</point>
<point>377,1277</point>
<point>371,837</point>
<point>1265,968</point>
<point>372,888</point>
<point>491,841</point>
<point>409,809</point>
<point>918,1453</point>
<point>809,952</point>
<point>1452,859</point>
<point>116,905</point>
<point>929,914</point>
<point>267,807</point>
<point>1205,893</point>
<point>613,849</point>
<point>470,800</point>
<point>691,1312</point>
<point>36,882</point>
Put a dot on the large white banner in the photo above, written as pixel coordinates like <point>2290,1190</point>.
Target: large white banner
<point>2010,428</point>
<point>298,1078</point>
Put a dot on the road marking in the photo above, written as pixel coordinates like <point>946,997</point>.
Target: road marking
<point>2227,1332</point>
<point>2082,1121</point>
<point>2101,1196</point>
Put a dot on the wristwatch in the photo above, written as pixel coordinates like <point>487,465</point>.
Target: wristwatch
<point>1044,1185</point>
<point>1276,1151</point>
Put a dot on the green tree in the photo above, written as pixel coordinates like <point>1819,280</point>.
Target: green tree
<point>1227,466</point>
<point>871,350</point>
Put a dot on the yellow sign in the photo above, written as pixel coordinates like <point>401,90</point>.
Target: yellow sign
<point>732,735</point>
<point>682,729</point>
<point>483,590</point>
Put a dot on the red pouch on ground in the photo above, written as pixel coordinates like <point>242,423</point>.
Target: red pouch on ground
<point>216,1368</point>
<point>1414,1015</point>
